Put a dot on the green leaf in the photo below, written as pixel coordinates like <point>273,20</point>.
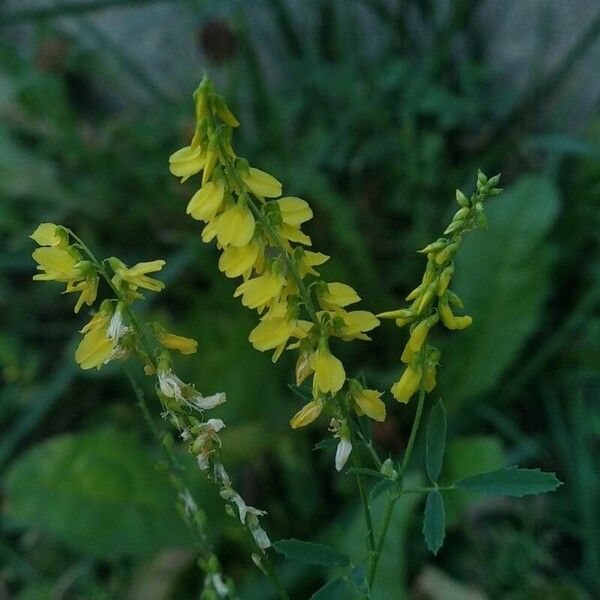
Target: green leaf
<point>502,275</point>
<point>436,441</point>
<point>382,486</point>
<point>332,590</point>
<point>358,577</point>
<point>434,521</point>
<point>510,482</point>
<point>311,553</point>
<point>98,492</point>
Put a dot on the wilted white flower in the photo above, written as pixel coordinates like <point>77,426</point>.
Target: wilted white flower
<point>342,453</point>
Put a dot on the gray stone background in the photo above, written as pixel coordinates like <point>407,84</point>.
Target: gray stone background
<point>524,40</point>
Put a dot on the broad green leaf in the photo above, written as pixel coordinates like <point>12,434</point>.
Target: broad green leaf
<point>436,441</point>
<point>98,492</point>
<point>510,482</point>
<point>332,590</point>
<point>312,553</point>
<point>502,275</point>
<point>434,521</point>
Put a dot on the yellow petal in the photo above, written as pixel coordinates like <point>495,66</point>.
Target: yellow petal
<point>337,294</point>
<point>177,342</point>
<point>294,211</point>
<point>329,371</point>
<point>47,234</point>
<point>94,349</point>
<point>206,202</point>
<point>187,161</point>
<point>408,384</point>
<point>307,414</point>
<point>238,261</point>
<point>369,402</point>
<point>235,226</point>
<point>262,184</point>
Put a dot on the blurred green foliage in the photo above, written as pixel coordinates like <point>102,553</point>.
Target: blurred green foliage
<point>376,136</point>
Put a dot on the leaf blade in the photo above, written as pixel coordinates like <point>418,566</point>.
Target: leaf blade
<point>311,553</point>
<point>434,521</point>
<point>512,481</point>
<point>436,441</point>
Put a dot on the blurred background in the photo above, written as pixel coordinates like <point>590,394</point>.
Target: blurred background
<point>374,111</point>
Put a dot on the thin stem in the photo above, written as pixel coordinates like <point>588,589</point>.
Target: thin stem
<point>272,574</point>
<point>413,432</point>
<point>365,502</point>
<point>394,495</point>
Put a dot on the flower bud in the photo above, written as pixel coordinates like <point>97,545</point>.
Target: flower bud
<point>444,280</point>
<point>307,414</point>
<point>420,332</point>
<point>447,253</point>
<point>461,199</point>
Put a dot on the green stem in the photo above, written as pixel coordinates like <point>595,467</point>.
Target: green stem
<point>394,495</point>
<point>365,502</point>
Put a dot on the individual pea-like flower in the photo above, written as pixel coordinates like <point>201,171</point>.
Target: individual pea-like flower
<point>261,183</point>
<point>137,276</point>
<point>307,414</point>
<point>207,201</point>
<point>172,341</point>
<point>329,373</point>
<point>101,338</point>
<point>336,295</point>
<point>259,291</point>
<point>187,161</point>
<point>367,402</point>
<point>235,226</point>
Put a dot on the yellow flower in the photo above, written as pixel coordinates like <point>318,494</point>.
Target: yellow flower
<point>308,260</point>
<point>258,291</point>
<point>88,290</point>
<point>294,235</point>
<point>57,264</point>
<point>408,384</point>
<point>206,202</point>
<point>137,276</point>
<point>274,333</point>
<point>335,295</point>
<point>369,402</point>
<point>420,332</point>
<point>462,322</point>
<point>307,414</point>
<point>94,349</point>
<point>329,371</point>
<point>186,162</point>
<point>49,234</point>
<point>239,261</point>
<point>294,211</point>
<point>262,184</point>
<point>176,342</point>
<point>235,226</point>
<point>209,233</point>
<point>356,322</point>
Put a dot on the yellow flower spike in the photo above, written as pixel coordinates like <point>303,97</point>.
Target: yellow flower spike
<point>368,402</point>
<point>294,211</point>
<point>206,202</point>
<point>49,234</point>
<point>408,384</point>
<point>294,235</point>
<point>235,226</point>
<point>94,349</point>
<point>239,261</point>
<point>187,161</point>
<point>57,264</point>
<point>258,291</point>
<point>335,295</point>
<point>307,414</point>
<point>356,323</point>
<point>419,333</point>
<point>262,184</point>
<point>462,322</point>
<point>137,275</point>
<point>172,341</point>
<point>329,371</point>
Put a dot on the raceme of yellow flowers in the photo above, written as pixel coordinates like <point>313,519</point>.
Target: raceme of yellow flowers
<point>259,234</point>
